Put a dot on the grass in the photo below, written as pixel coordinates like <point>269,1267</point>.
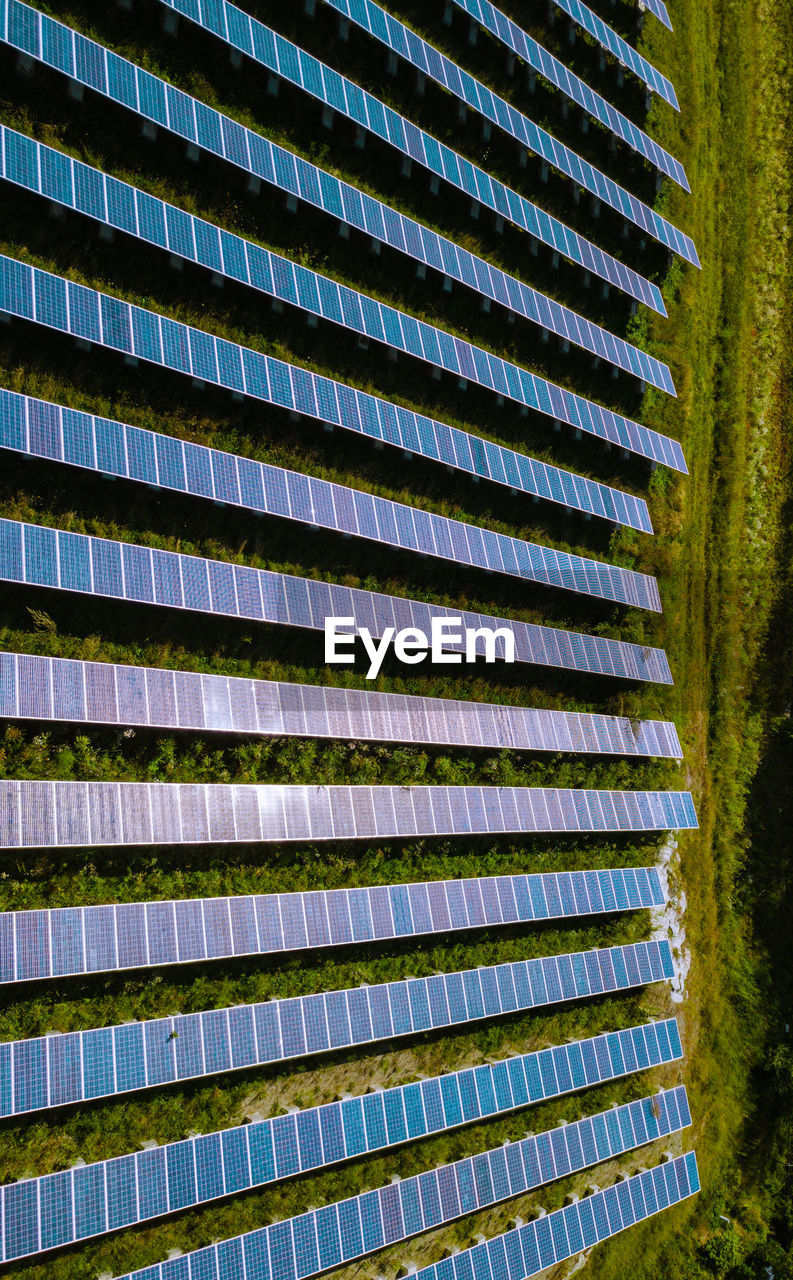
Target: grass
<point>723,562</point>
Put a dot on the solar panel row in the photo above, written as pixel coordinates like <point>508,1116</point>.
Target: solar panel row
<point>90,64</point>
<point>339,1233</point>
<point>466,88</point>
<point>82,439</point>
<point>40,556</point>
<point>49,172</point>
<point>43,814</point>
<point>281,57</point>
<point>625,53</point>
<point>529,1249</point>
<point>88,1200</point>
<point>50,300</point>
<point>77,1066</point>
<point>39,688</point>
<point>66,941</point>
<point>46,430</point>
<point>164,461</point>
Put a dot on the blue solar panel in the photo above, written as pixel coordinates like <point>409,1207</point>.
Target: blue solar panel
<point>38,428</point>
<point>80,1065</point>
<point>46,814</point>
<point>50,431</point>
<point>196,1170</point>
<point>379,1217</point>
<point>71,53</point>
<point>283,58</point>
<point>42,169</point>
<point>659,10</point>
<point>463,86</point>
<point>38,556</point>
<point>625,53</point>
<point>39,688</point>
<point>66,941</point>
<point>60,304</point>
<point>526,1250</point>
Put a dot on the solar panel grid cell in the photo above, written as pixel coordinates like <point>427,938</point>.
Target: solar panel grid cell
<point>116,1060</point>
<point>21,287</point>
<point>300,602</point>
<point>217,134</point>
<point>464,86</point>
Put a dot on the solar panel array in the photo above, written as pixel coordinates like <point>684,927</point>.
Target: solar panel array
<point>627,55</point>
<point>90,64</point>
<point>88,1200</point>
<point>529,1249</point>
<point>78,186</point>
<point>464,86</point>
<point>340,1233</point>
<point>36,555</point>
<point>170,463</point>
<point>111,938</point>
<point>83,439</point>
<point>65,941</point>
<point>281,57</point>
<point>47,299</point>
<point>39,688</point>
<point>78,1066</point>
<point>43,814</point>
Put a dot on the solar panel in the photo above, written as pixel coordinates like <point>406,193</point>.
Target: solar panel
<point>49,172</point>
<point>625,53</point>
<point>40,688</point>
<point>77,1066</point>
<point>167,462</point>
<point>659,10</point>
<point>528,1249</point>
<point>319,1239</point>
<point>66,941</point>
<point>52,558</point>
<point>44,814</point>
<point>281,57</point>
<point>60,304</point>
<point>49,431</point>
<point>431,62</point>
<point>267,1151</point>
<point>122,82</point>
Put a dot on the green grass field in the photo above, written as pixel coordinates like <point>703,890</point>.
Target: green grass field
<point>721,552</point>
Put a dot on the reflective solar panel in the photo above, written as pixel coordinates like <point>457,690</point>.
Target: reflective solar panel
<point>659,10</point>
<point>411,1205</point>
<point>57,1069</point>
<point>65,941</point>
<point>62,305</point>
<point>71,53</point>
<point>44,170</point>
<point>51,431</point>
<point>166,462</point>
<point>281,57</point>
<point>465,88</point>
<point>529,1249</point>
<point>40,556</point>
<point>40,688</point>
<point>199,1169</point>
<point>625,53</point>
<point>45,814</point>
